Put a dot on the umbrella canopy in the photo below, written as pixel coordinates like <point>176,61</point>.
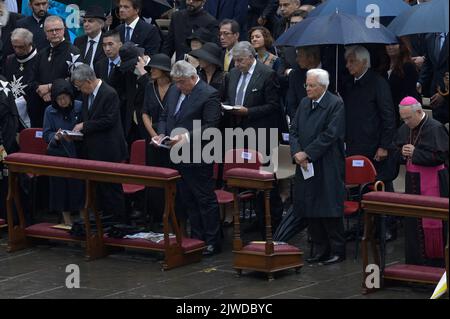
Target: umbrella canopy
<point>338,28</point>
<point>388,8</point>
<point>428,17</point>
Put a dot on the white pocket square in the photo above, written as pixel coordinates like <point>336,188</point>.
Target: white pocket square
<point>254,90</point>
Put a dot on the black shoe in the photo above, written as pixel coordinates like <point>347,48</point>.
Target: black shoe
<point>211,250</point>
<point>316,259</point>
<point>333,260</point>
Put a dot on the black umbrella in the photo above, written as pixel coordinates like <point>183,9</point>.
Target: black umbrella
<point>429,17</point>
<point>290,225</point>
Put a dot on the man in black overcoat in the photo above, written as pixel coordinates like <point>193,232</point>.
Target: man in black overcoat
<point>317,146</point>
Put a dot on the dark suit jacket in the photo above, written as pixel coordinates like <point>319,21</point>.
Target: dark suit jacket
<point>183,25</point>
<point>229,9</point>
<point>81,43</point>
<point>261,97</point>
<point>144,35</point>
<point>433,69</point>
<point>103,135</point>
<point>203,104</point>
<point>370,115</point>
<point>101,68</point>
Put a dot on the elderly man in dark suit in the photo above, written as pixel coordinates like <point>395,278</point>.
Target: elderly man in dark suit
<point>135,29</point>
<point>317,146</point>
<point>103,138</point>
<point>253,86</point>
<point>433,72</point>
<point>189,100</point>
<point>90,44</point>
<point>370,113</point>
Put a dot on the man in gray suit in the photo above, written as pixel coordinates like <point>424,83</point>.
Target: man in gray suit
<point>253,86</point>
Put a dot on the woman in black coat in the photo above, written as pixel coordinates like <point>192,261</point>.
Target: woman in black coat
<point>401,73</point>
<point>66,195</point>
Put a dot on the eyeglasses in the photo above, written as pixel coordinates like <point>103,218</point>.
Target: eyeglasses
<point>54,30</point>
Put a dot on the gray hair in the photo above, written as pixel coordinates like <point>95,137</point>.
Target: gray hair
<point>183,69</point>
<point>322,76</point>
<point>413,107</point>
<point>50,19</point>
<point>22,34</point>
<point>82,73</point>
<point>243,48</point>
<point>360,52</point>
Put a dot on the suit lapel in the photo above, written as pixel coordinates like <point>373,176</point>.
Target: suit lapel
<point>191,98</point>
<point>253,80</point>
<point>443,55</point>
<point>136,33</point>
<point>94,103</point>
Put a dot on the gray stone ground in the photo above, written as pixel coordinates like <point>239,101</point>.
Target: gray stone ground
<point>39,272</point>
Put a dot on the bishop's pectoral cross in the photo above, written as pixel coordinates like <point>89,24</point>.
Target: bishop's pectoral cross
<point>21,68</point>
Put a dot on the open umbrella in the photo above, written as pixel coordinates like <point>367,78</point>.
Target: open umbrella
<point>428,17</point>
<point>362,8</point>
<point>337,28</point>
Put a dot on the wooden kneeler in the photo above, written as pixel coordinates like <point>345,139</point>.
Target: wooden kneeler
<point>406,205</point>
<point>261,256</point>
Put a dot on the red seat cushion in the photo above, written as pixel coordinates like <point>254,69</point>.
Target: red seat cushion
<point>187,244</point>
<point>407,199</point>
<point>261,248</point>
<point>350,207</point>
<point>224,197</point>
<point>246,173</point>
<point>2,222</point>
<point>132,188</point>
<point>414,272</point>
<point>45,230</point>
<point>99,166</point>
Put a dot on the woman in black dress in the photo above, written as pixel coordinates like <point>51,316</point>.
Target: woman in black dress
<point>154,103</point>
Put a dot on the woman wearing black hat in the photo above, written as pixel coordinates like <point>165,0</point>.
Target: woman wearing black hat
<point>210,65</point>
<point>66,195</point>
<point>154,103</point>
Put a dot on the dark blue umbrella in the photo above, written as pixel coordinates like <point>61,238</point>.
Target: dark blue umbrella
<point>428,17</point>
<point>362,8</point>
<point>338,28</point>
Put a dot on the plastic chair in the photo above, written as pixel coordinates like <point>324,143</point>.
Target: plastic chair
<point>137,157</point>
<point>361,174</point>
<point>31,140</point>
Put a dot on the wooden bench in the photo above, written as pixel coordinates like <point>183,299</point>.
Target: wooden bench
<point>268,257</point>
<point>406,205</point>
<point>177,251</point>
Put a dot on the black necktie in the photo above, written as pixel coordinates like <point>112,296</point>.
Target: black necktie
<point>111,67</point>
<point>314,105</point>
<point>88,56</point>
